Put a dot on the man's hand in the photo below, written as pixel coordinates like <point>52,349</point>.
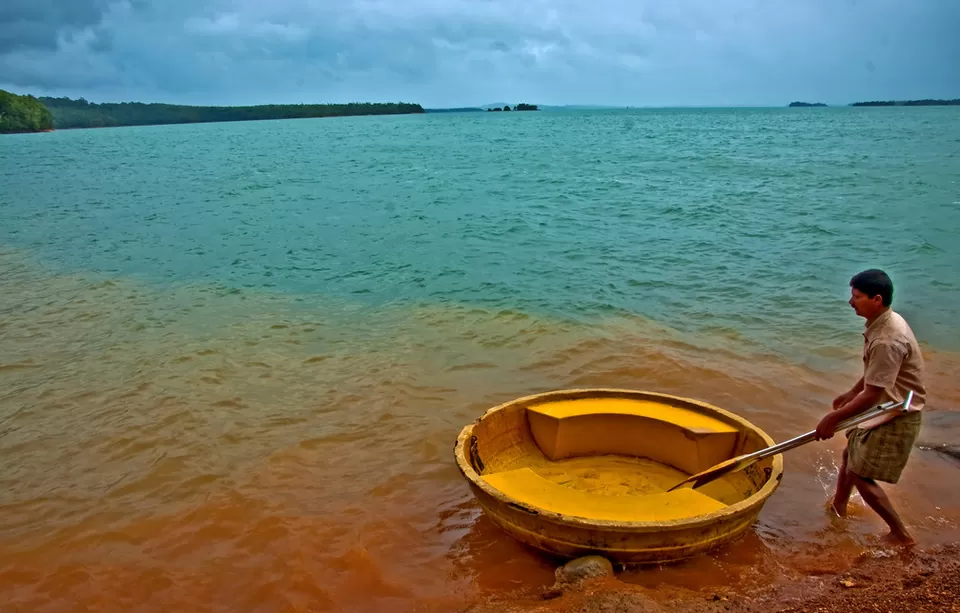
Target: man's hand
<point>858,403</point>
<point>827,427</point>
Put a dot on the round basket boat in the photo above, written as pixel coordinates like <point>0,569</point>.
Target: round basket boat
<point>581,472</point>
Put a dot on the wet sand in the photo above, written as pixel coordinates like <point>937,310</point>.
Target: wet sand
<point>205,449</point>
<point>924,582</point>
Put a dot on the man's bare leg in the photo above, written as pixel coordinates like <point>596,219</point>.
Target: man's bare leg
<point>844,488</point>
<point>877,499</point>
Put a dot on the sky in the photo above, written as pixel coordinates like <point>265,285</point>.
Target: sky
<point>448,53</point>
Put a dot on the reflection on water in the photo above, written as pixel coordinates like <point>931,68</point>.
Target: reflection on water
<point>210,450</point>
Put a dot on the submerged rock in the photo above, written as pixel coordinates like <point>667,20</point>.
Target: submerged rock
<point>587,567</point>
<point>589,585</point>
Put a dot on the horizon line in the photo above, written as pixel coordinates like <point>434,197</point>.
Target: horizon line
<point>588,105</point>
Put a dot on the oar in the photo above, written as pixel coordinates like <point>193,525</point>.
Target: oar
<point>740,462</point>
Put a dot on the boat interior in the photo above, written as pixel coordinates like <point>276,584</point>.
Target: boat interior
<point>613,458</point>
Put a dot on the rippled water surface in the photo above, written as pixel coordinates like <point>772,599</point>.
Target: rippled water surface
<point>234,357</point>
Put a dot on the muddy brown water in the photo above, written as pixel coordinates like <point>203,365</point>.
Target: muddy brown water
<point>195,450</point>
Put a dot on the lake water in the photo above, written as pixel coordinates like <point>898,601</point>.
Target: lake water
<point>234,358</point>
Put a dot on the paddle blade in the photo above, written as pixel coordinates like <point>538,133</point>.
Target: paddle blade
<point>715,472</point>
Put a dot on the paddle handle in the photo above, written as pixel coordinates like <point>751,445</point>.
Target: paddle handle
<point>846,424</point>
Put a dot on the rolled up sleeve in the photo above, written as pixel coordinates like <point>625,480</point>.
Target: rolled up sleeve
<point>883,363</point>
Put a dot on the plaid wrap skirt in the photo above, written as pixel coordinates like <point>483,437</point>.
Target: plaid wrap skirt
<point>881,452</point>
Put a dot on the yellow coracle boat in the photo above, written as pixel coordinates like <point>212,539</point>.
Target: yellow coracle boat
<point>581,472</point>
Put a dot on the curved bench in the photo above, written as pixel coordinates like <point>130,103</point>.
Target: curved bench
<point>526,486</point>
<point>680,437</point>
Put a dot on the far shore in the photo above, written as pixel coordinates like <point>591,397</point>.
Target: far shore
<point>68,114</point>
<point>193,123</point>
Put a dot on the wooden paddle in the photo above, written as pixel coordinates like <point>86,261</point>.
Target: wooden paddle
<point>740,462</point>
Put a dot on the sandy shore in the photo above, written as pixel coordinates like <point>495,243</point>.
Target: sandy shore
<point>914,581</point>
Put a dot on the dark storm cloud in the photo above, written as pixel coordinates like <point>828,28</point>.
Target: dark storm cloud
<point>38,24</point>
<point>453,52</point>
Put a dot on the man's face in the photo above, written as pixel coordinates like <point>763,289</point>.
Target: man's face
<point>864,305</point>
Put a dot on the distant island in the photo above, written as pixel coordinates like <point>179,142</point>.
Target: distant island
<point>69,113</point>
<point>926,102</point>
<point>23,114</point>
<point>519,107</point>
<point>807,104</point>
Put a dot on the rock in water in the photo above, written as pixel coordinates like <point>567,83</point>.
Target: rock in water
<point>587,567</point>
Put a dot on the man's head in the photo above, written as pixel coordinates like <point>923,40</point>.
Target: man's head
<point>871,293</point>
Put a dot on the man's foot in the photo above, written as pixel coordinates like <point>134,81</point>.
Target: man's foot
<point>832,508</point>
<point>899,539</point>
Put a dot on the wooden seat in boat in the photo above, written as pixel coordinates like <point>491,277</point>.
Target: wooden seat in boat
<point>688,440</point>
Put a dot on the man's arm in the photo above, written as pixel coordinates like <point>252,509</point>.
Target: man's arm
<point>844,398</point>
<point>866,399</point>
<point>883,364</point>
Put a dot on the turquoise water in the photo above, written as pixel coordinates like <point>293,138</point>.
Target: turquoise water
<point>720,220</point>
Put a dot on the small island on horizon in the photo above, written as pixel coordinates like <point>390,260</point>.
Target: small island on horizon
<point>520,107</point>
<point>925,102</point>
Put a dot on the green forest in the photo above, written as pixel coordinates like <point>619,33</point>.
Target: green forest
<point>23,114</point>
<point>69,113</point>
<point>926,102</point>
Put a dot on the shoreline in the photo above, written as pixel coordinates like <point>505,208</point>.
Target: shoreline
<point>897,104</point>
<point>192,123</point>
<point>68,113</point>
<point>219,121</point>
<point>880,580</point>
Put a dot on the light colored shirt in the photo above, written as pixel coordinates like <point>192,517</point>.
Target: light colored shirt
<point>892,360</point>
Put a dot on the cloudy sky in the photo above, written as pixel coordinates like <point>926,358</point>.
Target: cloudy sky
<point>470,52</point>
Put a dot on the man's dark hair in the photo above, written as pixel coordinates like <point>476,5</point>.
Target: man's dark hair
<point>873,282</point>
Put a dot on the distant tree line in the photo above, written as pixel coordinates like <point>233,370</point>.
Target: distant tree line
<point>926,102</point>
<point>23,114</point>
<point>69,113</point>
<point>806,104</point>
<point>520,107</point>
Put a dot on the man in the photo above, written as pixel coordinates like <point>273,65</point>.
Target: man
<point>878,449</point>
